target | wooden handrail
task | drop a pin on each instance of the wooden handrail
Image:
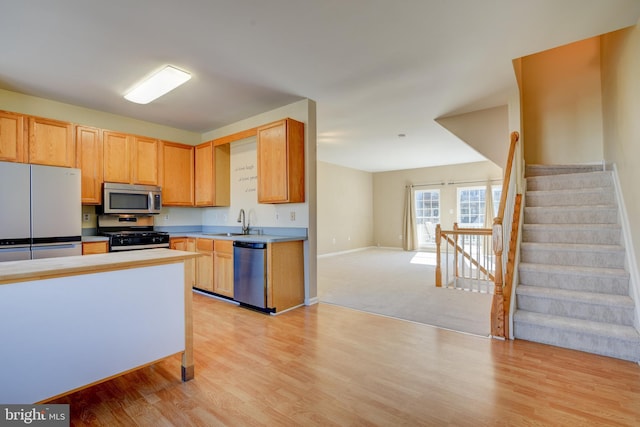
(515, 136)
(499, 310)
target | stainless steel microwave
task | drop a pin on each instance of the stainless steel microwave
(127, 199)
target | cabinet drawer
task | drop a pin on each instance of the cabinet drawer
(89, 248)
(204, 245)
(225, 246)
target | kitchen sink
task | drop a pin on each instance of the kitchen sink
(225, 234)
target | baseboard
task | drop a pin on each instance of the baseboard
(634, 282)
(312, 301)
(345, 252)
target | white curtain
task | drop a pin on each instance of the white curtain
(409, 223)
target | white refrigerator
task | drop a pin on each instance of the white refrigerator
(40, 211)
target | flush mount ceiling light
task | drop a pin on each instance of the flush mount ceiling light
(157, 85)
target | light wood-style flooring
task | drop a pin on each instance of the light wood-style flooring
(333, 366)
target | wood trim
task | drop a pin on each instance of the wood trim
(228, 139)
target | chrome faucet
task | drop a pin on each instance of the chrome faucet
(241, 218)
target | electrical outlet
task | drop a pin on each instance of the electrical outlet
(292, 215)
(85, 217)
(166, 217)
(277, 216)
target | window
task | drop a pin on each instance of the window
(427, 215)
(472, 206)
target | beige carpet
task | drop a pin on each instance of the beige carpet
(400, 284)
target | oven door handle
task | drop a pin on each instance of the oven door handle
(136, 247)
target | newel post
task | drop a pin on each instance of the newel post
(497, 305)
(438, 269)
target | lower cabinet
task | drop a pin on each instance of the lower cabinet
(204, 265)
(89, 248)
(187, 244)
(285, 275)
(213, 270)
(223, 268)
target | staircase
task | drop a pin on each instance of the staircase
(573, 289)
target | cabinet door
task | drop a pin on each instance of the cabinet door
(285, 275)
(89, 248)
(188, 245)
(212, 175)
(51, 142)
(89, 161)
(11, 137)
(281, 162)
(117, 157)
(272, 163)
(145, 160)
(223, 268)
(204, 184)
(204, 264)
(177, 174)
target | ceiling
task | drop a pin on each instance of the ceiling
(376, 68)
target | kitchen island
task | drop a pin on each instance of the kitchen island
(68, 323)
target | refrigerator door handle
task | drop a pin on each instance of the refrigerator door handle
(55, 245)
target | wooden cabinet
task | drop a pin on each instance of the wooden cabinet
(281, 162)
(12, 147)
(176, 177)
(212, 174)
(89, 248)
(130, 159)
(187, 244)
(117, 157)
(204, 265)
(89, 161)
(145, 161)
(223, 268)
(285, 275)
(51, 142)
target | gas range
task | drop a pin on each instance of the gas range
(131, 233)
(135, 240)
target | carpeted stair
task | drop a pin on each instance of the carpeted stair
(573, 289)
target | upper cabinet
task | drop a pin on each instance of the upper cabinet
(51, 142)
(177, 174)
(145, 161)
(212, 174)
(89, 161)
(130, 159)
(117, 157)
(281, 162)
(11, 137)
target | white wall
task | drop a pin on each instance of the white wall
(486, 131)
(562, 104)
(621, 112)
(345, 208)
(25, 104)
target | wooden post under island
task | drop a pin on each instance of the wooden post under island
(72, 322)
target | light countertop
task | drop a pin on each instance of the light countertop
(46, 268)
(258, 238)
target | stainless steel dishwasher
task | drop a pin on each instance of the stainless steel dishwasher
(250, 274)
